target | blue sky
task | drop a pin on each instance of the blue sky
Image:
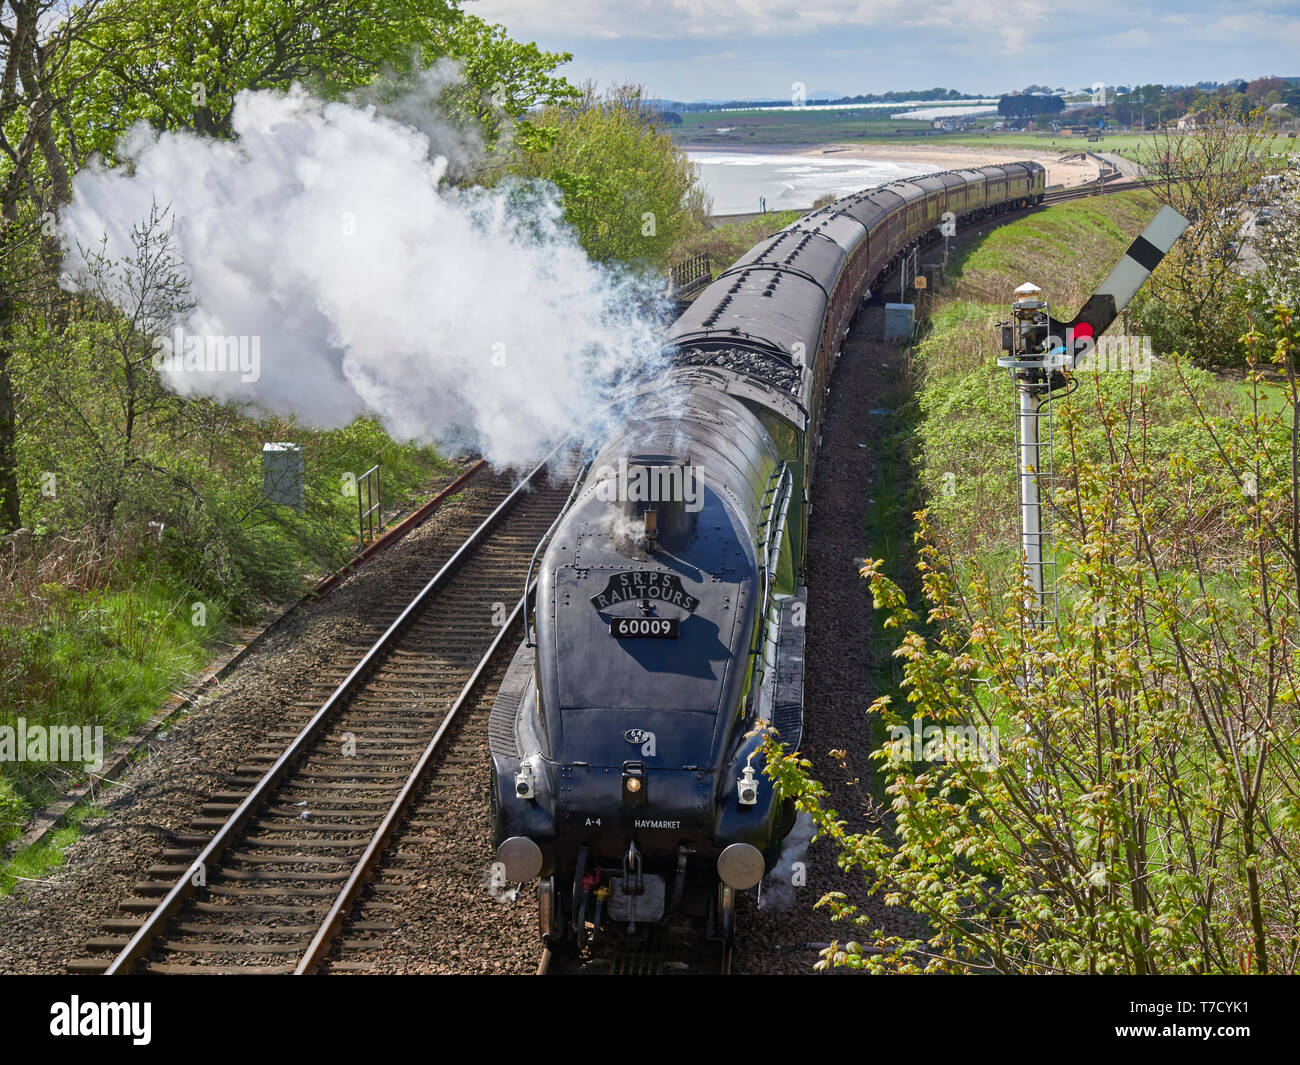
(692, 49)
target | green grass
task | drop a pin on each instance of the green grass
(1066, 250)
(1272, 399)
(1141, 148)
(104, 659)
(965, 400)
(35, 863)
(1048, 140)
(102, 644)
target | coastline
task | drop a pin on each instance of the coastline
(943, 156)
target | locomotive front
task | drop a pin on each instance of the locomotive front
(625, 764)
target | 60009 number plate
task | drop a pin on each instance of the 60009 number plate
(643, 628)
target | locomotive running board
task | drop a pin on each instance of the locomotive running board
(787, 710)
(505, 709)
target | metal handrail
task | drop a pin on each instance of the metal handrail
(690, 274)
(770, 552)
(764, 548)
(775, 555)
(767, 657)
(375, 498)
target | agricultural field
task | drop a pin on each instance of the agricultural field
(764, 127)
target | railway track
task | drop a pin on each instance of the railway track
(277, 863)
(1080, 192)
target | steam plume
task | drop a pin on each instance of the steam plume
(471, 317)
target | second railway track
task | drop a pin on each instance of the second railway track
(269, 875)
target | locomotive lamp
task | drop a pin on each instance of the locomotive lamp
(633, 784)
(521, 857)
(740, 866)
(747, 787)
(524, 781)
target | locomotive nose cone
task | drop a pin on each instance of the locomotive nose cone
(740, 866)
(521, 857)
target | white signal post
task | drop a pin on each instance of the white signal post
(1032, 365)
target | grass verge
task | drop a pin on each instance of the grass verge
(96, 632)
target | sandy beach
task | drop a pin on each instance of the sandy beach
(794, 176)
(954, 157)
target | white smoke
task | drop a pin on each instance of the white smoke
(466, 317)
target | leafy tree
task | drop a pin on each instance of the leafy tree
(1196, 303)
(1260, 88)
(180, 65)
(111, 408)
(1117, 791)
(629, 192)
(508, 78)
(37, 38)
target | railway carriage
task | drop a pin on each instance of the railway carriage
(973, 193)
(626, 773)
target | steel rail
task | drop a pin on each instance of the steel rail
(365, 867)
(153, 925)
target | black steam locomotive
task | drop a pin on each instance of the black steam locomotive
(670, 597)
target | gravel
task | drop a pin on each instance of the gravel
(843, 651)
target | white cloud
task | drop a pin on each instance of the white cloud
(683, 48)
(1137, 37)
(1009, 20)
